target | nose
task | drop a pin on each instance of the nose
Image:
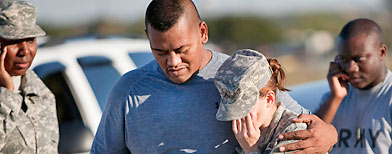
(23, 49)
(352, 67)
(174, 59)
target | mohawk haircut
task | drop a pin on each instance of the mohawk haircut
(360, 26)
(163, 14)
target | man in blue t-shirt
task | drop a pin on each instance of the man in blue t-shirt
(169, 105)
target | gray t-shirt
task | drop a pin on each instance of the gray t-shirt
(363, 120)
(147, 113)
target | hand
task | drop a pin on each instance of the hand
(5, 77)
(338, 81)
(246, 134)
(319, 138)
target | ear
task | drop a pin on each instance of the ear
(271, 98)
(203, 32)
(146, 32)
(383, 51)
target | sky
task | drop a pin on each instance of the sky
(71, 12)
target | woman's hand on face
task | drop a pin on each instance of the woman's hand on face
(5, 77)
(246, 134)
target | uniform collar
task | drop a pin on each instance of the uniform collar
(268, 134)
(30, 86)
(16, 80)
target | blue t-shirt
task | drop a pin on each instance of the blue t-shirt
(148, 113)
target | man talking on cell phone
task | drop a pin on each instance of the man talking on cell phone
(359, 104)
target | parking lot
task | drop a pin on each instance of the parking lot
(81, 72)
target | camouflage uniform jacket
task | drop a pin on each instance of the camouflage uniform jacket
(34, 130)
(281, 123)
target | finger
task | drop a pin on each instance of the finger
(338, 75)
(253, 124)
(234, 126)
(342, 76)
(243, 122)
(306, 151)
(239, 125)
(345, 84)
(249, 123)
(337, 80)
(2, 56)
(306, 118)
(300, 145)
(296, 135)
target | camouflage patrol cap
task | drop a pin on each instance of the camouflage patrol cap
(17, 21)
(239, 80)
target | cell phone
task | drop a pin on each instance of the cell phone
(338, 61)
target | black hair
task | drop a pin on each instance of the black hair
(163, 14)
(361, 26)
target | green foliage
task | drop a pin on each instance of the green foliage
(250, 31)
(324, 21)
(137, 28)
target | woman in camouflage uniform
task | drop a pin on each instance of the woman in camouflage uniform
(247, 83)
(28, 120)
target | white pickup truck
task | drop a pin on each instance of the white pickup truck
(81, 72)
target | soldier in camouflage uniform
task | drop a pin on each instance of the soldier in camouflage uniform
(247, 85)
(28, 121)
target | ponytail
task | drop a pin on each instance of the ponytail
(278, 77)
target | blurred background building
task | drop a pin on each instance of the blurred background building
(300, 33)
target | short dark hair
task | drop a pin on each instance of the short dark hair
(361, 26)
(163, 14)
